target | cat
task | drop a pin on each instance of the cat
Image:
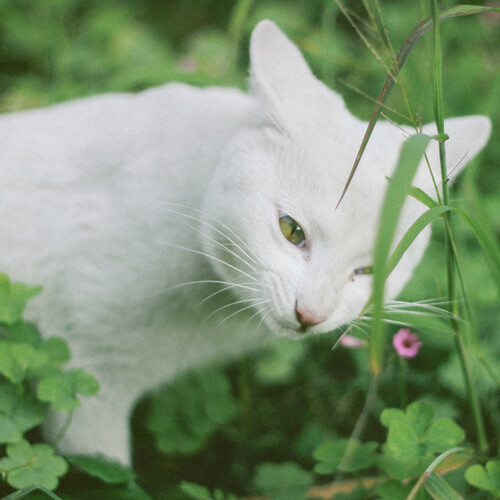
(181, 225)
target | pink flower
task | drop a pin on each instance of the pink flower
(406, 343)
(351, 342)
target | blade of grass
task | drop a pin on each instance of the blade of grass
(439, 489)
(422, 196)
(411, 153)
(434, 465)
(417, 33)
(414, 230)
(19, 495)
(449, 247)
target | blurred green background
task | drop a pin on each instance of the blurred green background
(293, 395)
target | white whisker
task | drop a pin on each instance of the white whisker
(243, 309)
(254, 301)
(242, 246)
(215, 282)
(264, 316)
(224, 247)
(229, 287)
(199, 252)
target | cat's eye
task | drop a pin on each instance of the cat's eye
(361, 270)
(292, 231)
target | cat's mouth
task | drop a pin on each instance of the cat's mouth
(282, 327)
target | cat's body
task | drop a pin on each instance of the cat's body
(113, 203)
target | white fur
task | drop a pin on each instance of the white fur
(112, 203)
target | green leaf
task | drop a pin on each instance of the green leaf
(57, 350)
(279, 364)
(413, 231)
(417, 416)
(485, 478)
(411, 154)
(403, 443)
(16, 359)
(28, 465)
(412, 436)
(392, 490)
(185, 413)
(19, 412)
(442, 435)
(286, 481)
(422, 197)
(439, 489)
(13, 299)
(196, 491)
(348, 455)
(25, 332)
(9, 430)
(108, 471)
(60, 389)
(329, 454)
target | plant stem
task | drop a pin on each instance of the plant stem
(450, 255)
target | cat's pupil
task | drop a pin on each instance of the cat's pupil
(292, 231)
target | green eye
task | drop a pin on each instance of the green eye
(292, 231)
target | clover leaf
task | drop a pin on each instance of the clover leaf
(108, 471)
(417, 416)
(61, 388)
(485, 478)
(17, 359)
(442, 435)
(27, 465)
(25, 332)
(413, 438)
(348, 455)
(285, 481)
(13, 298)
(186, 413)
(19, 412)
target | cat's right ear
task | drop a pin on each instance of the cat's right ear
(279, 75)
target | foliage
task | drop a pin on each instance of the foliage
(184, 415)
(261, 426)
(25, 358)
(286, 481)
(414, 439)
(485, 478)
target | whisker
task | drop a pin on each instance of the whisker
(243, 309)
(234, 303)
(225, 248)
(256, 313)
(199, 252)
(264, 316)
(242, 246)
(216, 282)
(230, 286)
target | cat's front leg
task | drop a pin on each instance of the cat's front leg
(100, 425)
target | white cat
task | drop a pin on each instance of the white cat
(113, 203)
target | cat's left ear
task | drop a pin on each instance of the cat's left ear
(467, 137)
(279, 74)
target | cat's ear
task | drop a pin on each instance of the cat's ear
(279, 75)
(467, 137)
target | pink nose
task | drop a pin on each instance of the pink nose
(307, 318)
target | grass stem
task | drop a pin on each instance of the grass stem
(449, 250)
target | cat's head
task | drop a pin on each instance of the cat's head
(297, 259)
